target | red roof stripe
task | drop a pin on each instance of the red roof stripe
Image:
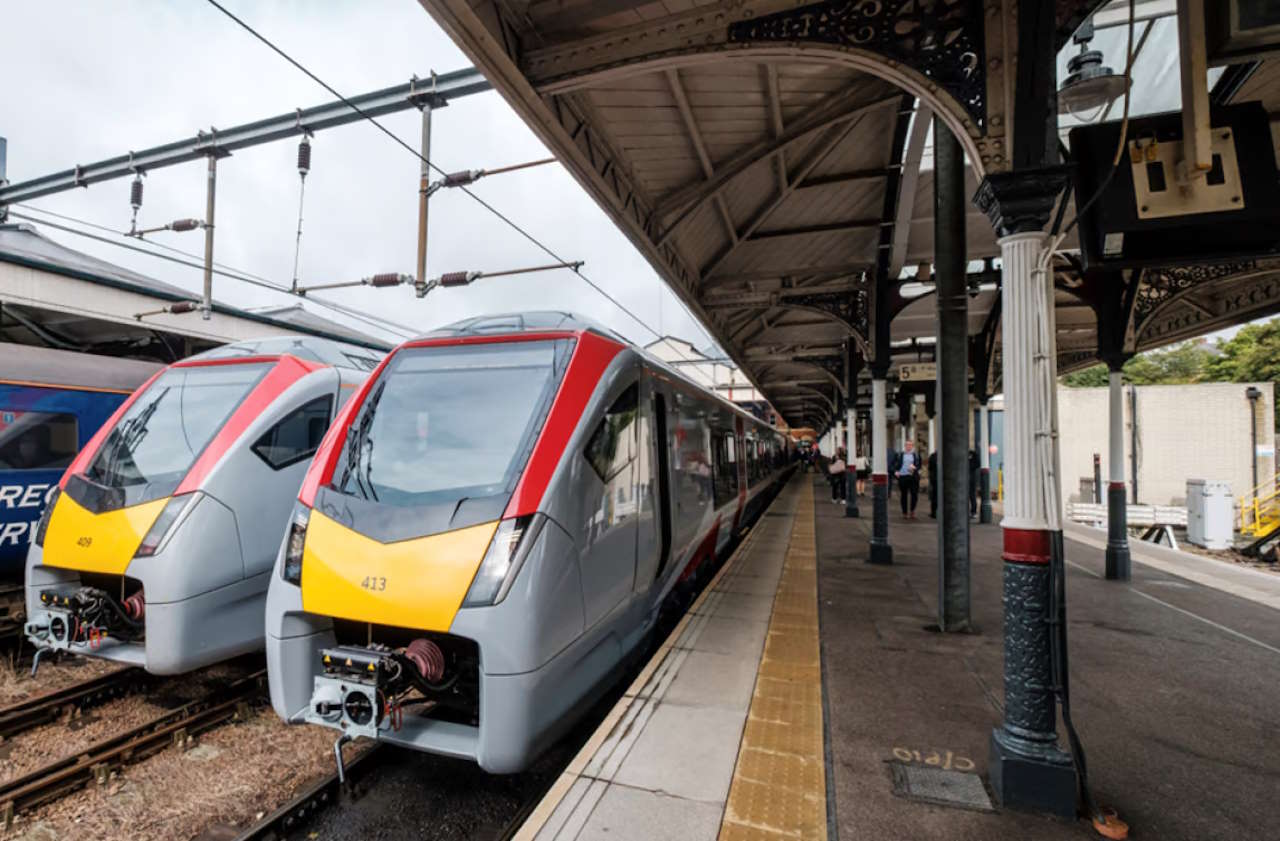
(590, 358)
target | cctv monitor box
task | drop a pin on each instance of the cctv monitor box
(1147, 216)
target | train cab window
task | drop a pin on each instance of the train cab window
(297, 435)
(612, 445)
(37, 440)
(159, 437)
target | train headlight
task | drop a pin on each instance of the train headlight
(163, 525)
(43, 525)
(501, 562)
(294, 544)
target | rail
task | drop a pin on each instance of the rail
(70, 773)
(50, 706)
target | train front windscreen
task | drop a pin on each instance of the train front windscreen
(152, 446)
(445, 432)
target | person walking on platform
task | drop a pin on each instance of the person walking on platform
(906, 466)
(934, 481)
(835, 475)
(863, 472)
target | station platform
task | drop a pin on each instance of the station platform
(804, 696)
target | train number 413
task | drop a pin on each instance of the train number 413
(374, 582)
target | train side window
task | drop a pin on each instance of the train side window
(296, 436)
(725, 473)
(612, 445)
(37, 440)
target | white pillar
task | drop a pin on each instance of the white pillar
(879, 458)
(1024, 315)
(931, 434)
(1115, 440)
(851, 433)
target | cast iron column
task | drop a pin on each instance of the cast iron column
(1117, 554)
(881, 551)
(852, 362)
(984, 460)
(953, 380)
(1028, 769)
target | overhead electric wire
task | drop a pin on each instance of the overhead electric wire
(225, 270)
(511, 223)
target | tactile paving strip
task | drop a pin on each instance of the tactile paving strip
(779, 784)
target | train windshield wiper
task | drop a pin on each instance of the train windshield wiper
(356, 445)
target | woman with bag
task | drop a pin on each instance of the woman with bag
(835, 475)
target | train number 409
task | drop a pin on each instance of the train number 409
(374, 582)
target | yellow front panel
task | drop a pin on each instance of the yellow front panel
(418, 583)
(81, 540)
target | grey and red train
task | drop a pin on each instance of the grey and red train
(486, 535)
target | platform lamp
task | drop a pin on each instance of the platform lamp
(1089, 83)
(1253, 393)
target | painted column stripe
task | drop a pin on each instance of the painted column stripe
(1026, 546)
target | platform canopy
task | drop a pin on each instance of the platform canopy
(773, 161)
(54, 296)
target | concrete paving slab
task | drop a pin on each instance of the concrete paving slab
(739, 637)
(714, 680)
(631, 814)
(685, 751)
(743, 606)
(751, 586)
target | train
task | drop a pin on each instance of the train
(491, 528)
(157, 543)
(51, 403)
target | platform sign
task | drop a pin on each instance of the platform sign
(917, 372)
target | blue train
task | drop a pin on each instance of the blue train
(51, 403)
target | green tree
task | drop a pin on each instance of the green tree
(1094, 376)
(1183, 363)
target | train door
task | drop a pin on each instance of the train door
(608, 562)
(653, 538)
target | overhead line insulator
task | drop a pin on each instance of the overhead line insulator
(304, 156)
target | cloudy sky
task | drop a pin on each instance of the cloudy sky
(98, 79)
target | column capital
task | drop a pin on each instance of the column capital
(1021, 201)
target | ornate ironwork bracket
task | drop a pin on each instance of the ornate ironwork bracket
(944, 40)
(832, 366)
(853, 309)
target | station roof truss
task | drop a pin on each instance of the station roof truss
(771, 160)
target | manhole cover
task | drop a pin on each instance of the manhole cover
(944, 788)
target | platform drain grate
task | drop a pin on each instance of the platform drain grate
(944, 788)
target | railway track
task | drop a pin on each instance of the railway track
(11, 612)
(50, 706)
(319, 795)
(96, 763)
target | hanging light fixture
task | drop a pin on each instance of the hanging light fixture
(1089, 84)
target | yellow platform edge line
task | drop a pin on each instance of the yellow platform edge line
(779, 787)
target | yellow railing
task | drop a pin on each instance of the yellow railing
(1260, 509)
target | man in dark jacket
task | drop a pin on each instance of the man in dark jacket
(906, 469)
